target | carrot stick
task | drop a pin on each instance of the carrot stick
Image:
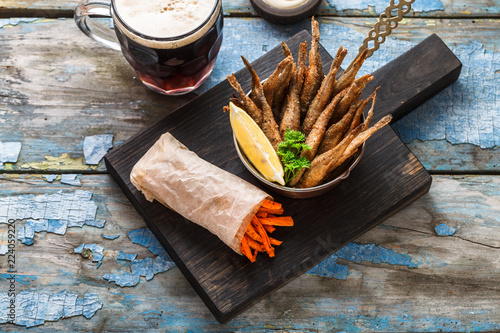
(254, 255)
(282, 221)
(256, 238)
(275, 241)
(269, 228)
(252, 233)
(261, 214)
(277, 211)
(268, 204)
(265, 239)
(255, 245)
(245, 249)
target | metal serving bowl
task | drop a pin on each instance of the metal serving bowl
(303, 193)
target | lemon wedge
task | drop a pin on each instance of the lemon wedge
(255, 145)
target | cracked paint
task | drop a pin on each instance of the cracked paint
(9, 152)
(93, 251)
(126, 256)
(50, 178)
(52, 213)
(454, 114)
(75, 208)
(96, 146)
(13, 21)
(444, 230)
(23, 279)
(145, 237)
(26, 233)
(33, 309)
(110, 237)
(146, 267)
(70, 179)
(63, 162)
(357, 253)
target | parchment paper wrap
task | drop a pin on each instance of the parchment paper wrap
(201, 192)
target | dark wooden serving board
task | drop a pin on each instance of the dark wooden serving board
(388, 178)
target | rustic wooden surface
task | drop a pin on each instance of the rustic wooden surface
(58, 87)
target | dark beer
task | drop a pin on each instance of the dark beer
(172, 65)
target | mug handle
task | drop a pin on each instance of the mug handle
(85, 12)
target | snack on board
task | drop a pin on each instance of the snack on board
(256, 238)
(201, 192)
(325, 109)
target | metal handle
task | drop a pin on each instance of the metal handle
(84, 18)
(387, 21)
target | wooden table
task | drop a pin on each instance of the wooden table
(434, 266)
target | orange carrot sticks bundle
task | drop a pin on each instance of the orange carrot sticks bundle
(265, 221)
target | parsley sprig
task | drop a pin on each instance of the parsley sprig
(289, 150)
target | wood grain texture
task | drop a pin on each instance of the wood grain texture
(439, 8)
(93, 91)
(453, 288)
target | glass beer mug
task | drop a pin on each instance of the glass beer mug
(171, 44)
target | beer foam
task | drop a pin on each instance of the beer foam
(164, 18)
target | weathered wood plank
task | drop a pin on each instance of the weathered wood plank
(425, 8)
(417, 281)
(92, 90)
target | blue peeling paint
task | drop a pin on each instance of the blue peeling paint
(444, 230)
(126, 279)
(50, 178)
(96, 223)
(96, 146)
(26, 233)
(126, 256)
(70, 179)
(380, 5)
(374, 253)
(140, 267)
(13, 21)
(33, 309)
(97, 252)
(67, 72)
(110, 237)
(39, 225)
(148, 267)
(50, 213)
(145, 237)
(20, 278)
(447, 116)
(90, 305)
(357, 253)
(57, 226)
(4, 249)
(9, 152)
(330, 268)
